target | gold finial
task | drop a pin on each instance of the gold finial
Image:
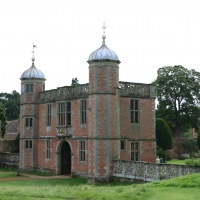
(104, 30)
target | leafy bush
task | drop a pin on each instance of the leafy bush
(193, 162)
(189, 145)
(168, 157)
(161, 154)
(181, 157)
(163, 134)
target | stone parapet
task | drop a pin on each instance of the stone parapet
(67, 92)
(150, 171)
(137, 90)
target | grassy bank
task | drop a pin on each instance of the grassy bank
(78, 189)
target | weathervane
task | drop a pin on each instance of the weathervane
(33, 52)
(104, 30)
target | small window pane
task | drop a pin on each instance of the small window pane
(48, 149)
(29, 122)
(83, 112)
(28, 144)
(135, 151)
(123, 144)
(134, 111)
(82, 151)
(48, 113)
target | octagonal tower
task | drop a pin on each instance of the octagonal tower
(103, 111)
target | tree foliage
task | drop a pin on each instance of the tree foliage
(198, 140)
(198, 133)
(16, 144)
(3, 121)
(11, 102)
(163, 134)
(178, 95)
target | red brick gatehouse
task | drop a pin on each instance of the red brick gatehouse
(80, 129)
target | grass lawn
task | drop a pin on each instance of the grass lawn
(176, 161)
(181, 188)
(7, 173)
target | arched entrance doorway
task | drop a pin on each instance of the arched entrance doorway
(65, 158)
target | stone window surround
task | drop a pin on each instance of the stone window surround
(134, 111)
(48, 115)
(82, 151)
(48, 149)
(135, 151)
(123, 145)
(28, 122)
(28, 144)
(64, 113)
(28, 88)
(83, 113)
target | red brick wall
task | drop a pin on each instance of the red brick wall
(143, 132)
(108, 121)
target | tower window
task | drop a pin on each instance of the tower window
(82, 151)
(29, 122)
(134, 111)
(48, 149)
(135, 151)
(48, 114)
(29, 88)
(123, 144)
(29, 144)
(83, 111)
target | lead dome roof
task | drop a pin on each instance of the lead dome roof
(103, 53)
(32, 72)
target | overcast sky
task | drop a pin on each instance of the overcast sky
(145, 34)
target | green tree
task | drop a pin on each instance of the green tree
(3, 121)
(163, 134)
(189, 144)
(178, 95)
(11, 102)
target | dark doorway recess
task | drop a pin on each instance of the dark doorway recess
(65, 158)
